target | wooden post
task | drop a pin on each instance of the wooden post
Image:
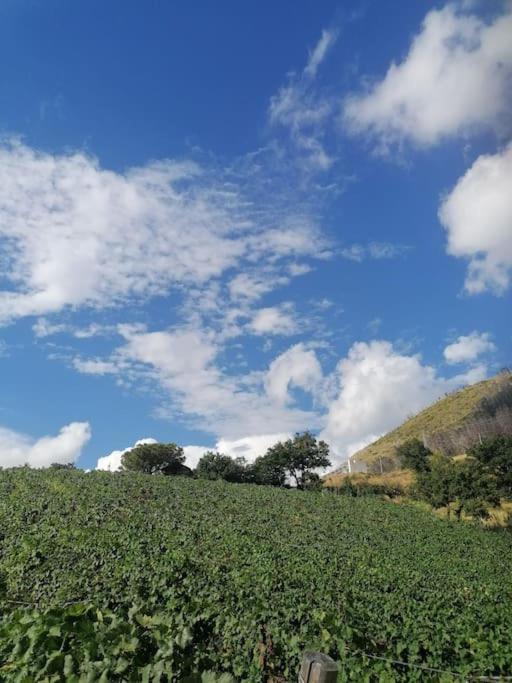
(318, 668)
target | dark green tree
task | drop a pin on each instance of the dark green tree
(300, 456)
(215, 465)
(268, 470)
(63, 466)
(413, 455)
(496, 456)
(461, 486)
(156, 458)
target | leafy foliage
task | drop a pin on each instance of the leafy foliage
(124, 577)
(466, 485)
(214, 465)
(414, 455)
(299, 457)
(496, 456)
(269, 469)
(156, 458)
(294, 459)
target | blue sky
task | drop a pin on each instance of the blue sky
(222, 223)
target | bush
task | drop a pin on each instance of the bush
(464, 486)
(363, 487)
(219, 466)
(496, 456)
(414, 455)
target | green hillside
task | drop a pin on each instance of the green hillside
(454, 422)
(128, 577)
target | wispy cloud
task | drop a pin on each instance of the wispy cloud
(318, 54)
(186, 364)
(299, 108)
(373, 250)
(274, 320)
(94, 366)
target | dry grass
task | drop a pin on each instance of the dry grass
(400, 479)
(498, 517)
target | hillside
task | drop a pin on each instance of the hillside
(452, 423)
(128, 577)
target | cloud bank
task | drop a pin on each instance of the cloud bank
(372, 390)
(298, 108)
(18, 449)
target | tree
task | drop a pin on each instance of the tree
(459, 485)
(156, 458)
(496, 456)
(299, 457)
(214, 465)
(268, 470)
(63, 466)
(413, 455)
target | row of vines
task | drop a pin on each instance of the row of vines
(123, 577)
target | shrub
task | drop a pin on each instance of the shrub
(414, 455)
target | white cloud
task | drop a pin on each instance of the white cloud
(94, 366)
(250, 447)
(298, 108)
(112, 461)
(468, 348)
(185, 363)
(193, 454)
(477, 215)
(44, 328)
(455, 78)
(92, 330)
(73, 234)
(251, 286)
(317, 56)
(379, 388)
(371, 391)
(274, 320)
(297, 367)
(18, 449)
(296, 269)
(373, 250)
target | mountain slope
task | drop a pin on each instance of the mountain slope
(453, 423)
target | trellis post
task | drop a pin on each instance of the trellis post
(318, 668)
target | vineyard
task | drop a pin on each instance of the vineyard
(124, 577)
